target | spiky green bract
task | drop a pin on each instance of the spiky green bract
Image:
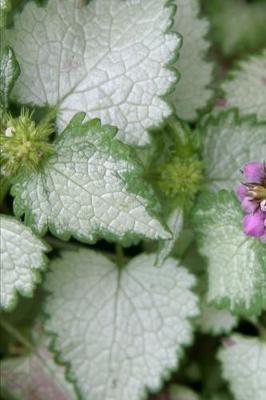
(193, 90)
(121, 330)
(112, 59)
(236, 262)
(243, 362)
(25, 145)
(22, 257)
(9, 72)
(176, 172)
(180, 177)
(238, 26)
(245, 87)
(175, 169)
(228, 142)
(90, 188)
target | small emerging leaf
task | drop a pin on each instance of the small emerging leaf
(120, 330)
(215, 321)
(175, 224)
(22, 256)
(244, 367)
(9, 72)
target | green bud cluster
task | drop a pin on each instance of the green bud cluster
(24, 144)
(181, 177)
(176, 170)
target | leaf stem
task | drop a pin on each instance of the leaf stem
(120, 259)
(4, 187)
(262, 331)
(16, 334)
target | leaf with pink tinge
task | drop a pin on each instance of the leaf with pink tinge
(36, 377)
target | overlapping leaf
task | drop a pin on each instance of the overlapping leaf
(108, 58)
(175, 224)
(216, 321)
(90, 188)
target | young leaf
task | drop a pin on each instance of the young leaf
(175, 225)
(108, 58)
(215, 321)
(236, 262)
(246, 88)
(22, 256)
(192, 92)
(228, 143)
(244, 367)
(9, 72)
(36, 377)
(91, 187)
(120, 329)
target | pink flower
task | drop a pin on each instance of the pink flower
(254, 171)
(252, 195)
(254, 224)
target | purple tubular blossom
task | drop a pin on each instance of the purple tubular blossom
(241, 192)
(253, 224)
(254, 171)
(252, 195)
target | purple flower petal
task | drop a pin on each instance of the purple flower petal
(241, 192)
(254, 171)
(254, 224)
(263, 237)
(249, 206)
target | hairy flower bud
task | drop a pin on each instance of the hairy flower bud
(24, 144)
